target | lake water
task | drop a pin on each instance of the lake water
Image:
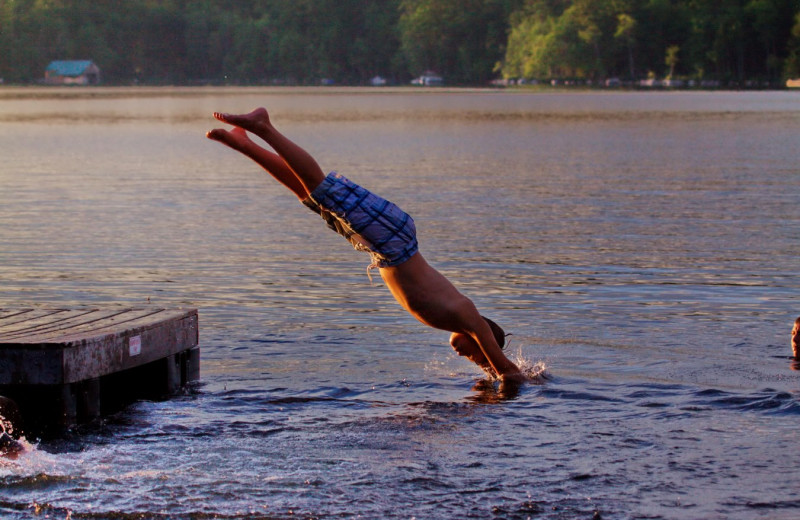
(641, 247)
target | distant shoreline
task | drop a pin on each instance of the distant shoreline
(37, 91)
(44, 92)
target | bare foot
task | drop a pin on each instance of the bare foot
(256, 121)
(291, 165)
(236, 138)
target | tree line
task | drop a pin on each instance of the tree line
(468, 42)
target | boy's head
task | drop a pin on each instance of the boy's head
(465, 346)
(499, 333)
(796, 338)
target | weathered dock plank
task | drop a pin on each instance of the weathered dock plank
(76, 363)
(77, 345)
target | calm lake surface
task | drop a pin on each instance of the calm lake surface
(642, 247)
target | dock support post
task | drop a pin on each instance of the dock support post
(190, 365)
(88, 399)
(173, 376)
(68, 405)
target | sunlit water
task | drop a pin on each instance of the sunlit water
(642, 247)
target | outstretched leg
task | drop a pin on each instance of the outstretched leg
(238, 140)
(301, 163)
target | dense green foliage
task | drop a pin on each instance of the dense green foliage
(190, 41)
(727, 40)
(350, 41)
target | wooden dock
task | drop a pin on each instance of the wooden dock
(67, 366)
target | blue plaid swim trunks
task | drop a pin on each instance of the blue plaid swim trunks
(371, 223)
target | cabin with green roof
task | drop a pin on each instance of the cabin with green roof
(72, 72)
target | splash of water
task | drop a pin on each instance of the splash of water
(23, 459)
(536, 371)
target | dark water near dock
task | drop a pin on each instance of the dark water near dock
(643, 247)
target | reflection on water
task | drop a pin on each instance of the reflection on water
(640, 246)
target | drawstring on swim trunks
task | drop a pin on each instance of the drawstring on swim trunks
(370, 267)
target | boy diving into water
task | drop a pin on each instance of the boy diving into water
(383, 230)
